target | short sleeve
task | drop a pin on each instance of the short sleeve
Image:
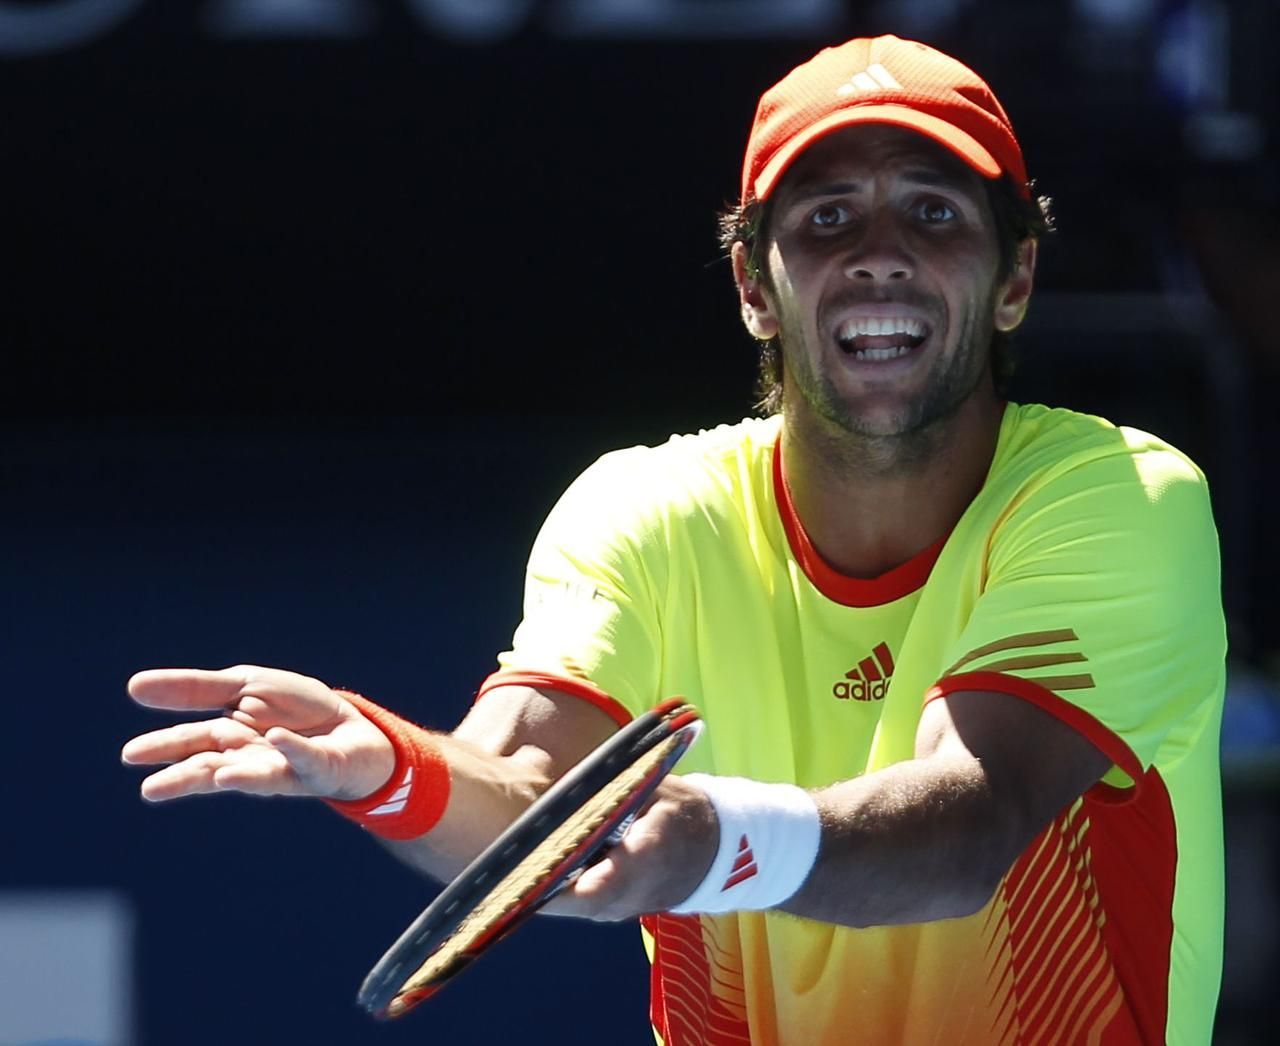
(592, 590)
(1102, 604)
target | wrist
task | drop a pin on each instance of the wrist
(415, 796)
(769, 835)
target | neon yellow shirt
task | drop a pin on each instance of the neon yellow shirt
(1083, 578)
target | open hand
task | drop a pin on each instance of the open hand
(279, 733)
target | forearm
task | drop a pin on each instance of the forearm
(917, 841)
(511, 747)
(486, 793)
(925, 839)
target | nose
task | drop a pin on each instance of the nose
(879, 255)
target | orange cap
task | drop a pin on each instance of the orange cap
(881, 80)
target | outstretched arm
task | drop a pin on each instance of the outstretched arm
(929, 838)
(281, 733)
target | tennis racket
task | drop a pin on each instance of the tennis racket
(572, 824)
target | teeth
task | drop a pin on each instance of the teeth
(882, 354)
(880, 325)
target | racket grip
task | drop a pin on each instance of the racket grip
(416, 794)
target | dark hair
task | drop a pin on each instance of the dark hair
(1017, 219)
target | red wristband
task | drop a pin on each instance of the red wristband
(415, 796)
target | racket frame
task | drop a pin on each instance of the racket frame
(405, 975)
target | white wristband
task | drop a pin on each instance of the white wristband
(768, 843)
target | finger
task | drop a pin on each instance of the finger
(311, 760)
(272, 697)
(252, 710)
(595, 894)
(258, 697)
(567, 904)
(174, 743)
(264, 704)
(193, 776)
(186, 688)
(599, 884)
(265, 771)
(258, 771)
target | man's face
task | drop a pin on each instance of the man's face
(880, 279)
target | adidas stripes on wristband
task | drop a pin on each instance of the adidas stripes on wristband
(768, 843)
(415, 796)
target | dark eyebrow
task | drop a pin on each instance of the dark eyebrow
(810, 190)
(929, 177)
(936, 178)
(814, 189)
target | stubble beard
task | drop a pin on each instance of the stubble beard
(909, 433)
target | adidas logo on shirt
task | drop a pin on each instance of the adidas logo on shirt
(869, 679)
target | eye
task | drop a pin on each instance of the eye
(828, 216)
(935, 212)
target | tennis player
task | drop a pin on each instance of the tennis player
(961, 659)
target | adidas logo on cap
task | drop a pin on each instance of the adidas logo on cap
(874, 78)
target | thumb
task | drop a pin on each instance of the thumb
(310, 761)
(596, 893)
(596, 879)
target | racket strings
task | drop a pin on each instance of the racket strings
(533, 871)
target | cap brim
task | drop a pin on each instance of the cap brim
(963, 145)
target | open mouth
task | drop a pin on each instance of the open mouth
(880, 338)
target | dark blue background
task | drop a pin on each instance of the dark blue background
(301, 335)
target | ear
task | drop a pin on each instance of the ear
(1015, 294)
(757, 314)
